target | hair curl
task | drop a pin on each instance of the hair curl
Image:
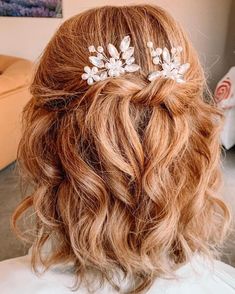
(125, 171)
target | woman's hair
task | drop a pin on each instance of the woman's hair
(124, 172)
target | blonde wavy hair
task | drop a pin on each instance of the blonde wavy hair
(124, 172)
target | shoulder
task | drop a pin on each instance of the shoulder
(14, 273)
(18, 265)
(199, 276)
(16, 276)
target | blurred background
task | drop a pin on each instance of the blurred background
(211, 27)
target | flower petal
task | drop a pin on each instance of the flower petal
(113, 51)
(94, 70)
(180, 80)
(173, 50)
(130, 60)
(87, 69)
(183, 68)
(85, 76)
(90, 81)
(122, 70)
(125, 43)
(174, 72)
(108, 65)
(96, 61)
(100, 56)
(111, 72)
(154, 75)
(166, 67)
(119, 63)
(166, 55)
(128, 53)
(132, 67)
(103, 75)
(116, 73)
(96, 78)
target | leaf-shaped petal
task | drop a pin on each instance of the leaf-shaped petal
(113, 51)
(128, 53)
(154, 75)
(166, 66)
(111, 72)
(132, 67)
(116, 73)
(174, 72)
(180, 80)
(103, 75)
(173, 50)
(130, 60)
(125, 43)
(96, 78)
(96, 61)
(108, 65)
(166, 55)
(183, 68)
(122, 70)
(94, 70)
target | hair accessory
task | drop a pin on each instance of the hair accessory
(104, 67)
(169, 62)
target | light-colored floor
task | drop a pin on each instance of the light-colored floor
(10, 195)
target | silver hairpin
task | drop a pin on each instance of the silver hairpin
(169, 61)
(104, 67)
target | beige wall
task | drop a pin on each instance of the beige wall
(230, 44)
(205, 20)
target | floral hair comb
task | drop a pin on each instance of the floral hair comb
(104, 67)
(120, 62)
(169, 61)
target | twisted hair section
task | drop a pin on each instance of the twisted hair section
(125, 173)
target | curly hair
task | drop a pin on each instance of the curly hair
(124, 172)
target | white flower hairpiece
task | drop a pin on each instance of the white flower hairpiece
(169, 62)
(104, 67)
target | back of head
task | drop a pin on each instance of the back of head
(124, 171)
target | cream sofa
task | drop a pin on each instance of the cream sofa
(15, 77)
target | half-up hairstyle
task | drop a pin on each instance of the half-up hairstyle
(124, 172)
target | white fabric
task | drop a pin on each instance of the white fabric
(228, 132)
(198, 277)
(225, 97)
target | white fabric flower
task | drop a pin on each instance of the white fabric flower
(169, 61)
(114, 67)
(90, 75)
(117, 64)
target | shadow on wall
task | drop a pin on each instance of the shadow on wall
(230, 42)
